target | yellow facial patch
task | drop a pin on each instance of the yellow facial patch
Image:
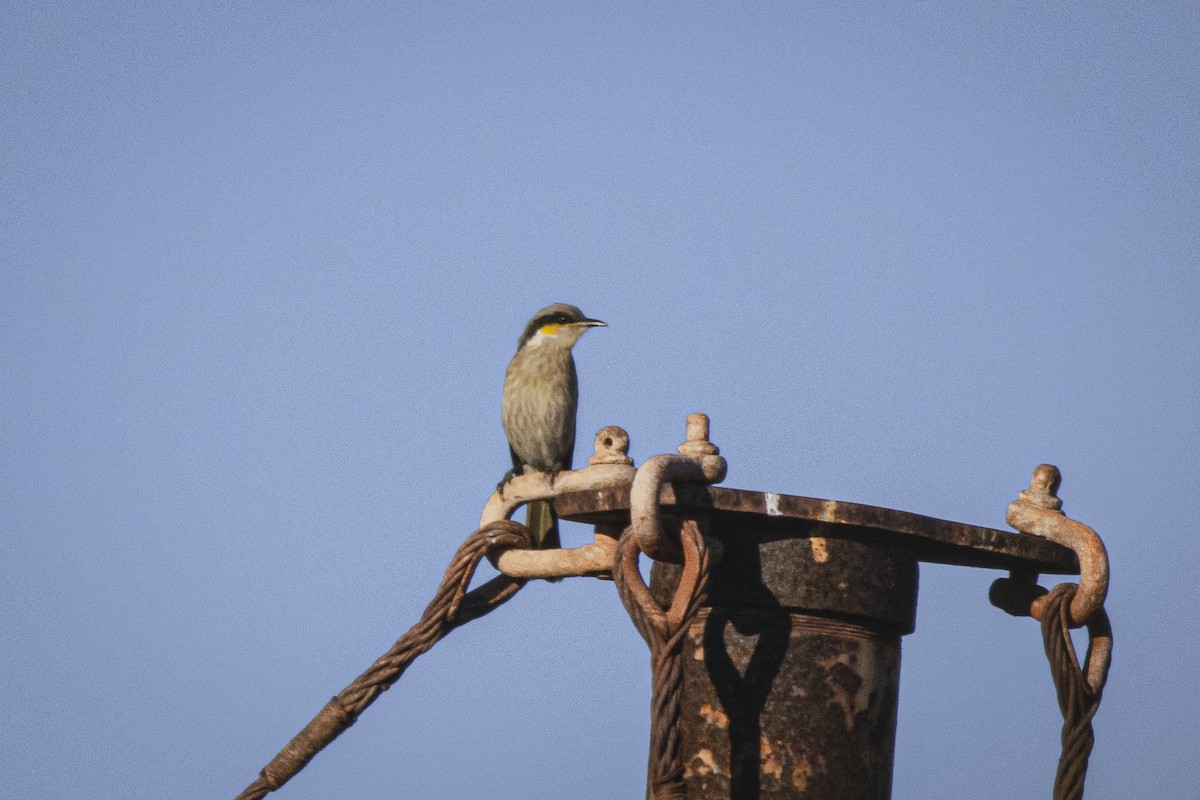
(549, 330)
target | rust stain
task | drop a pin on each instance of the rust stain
(767, 759)
(802, 770)
(714, 716)
(702, 763)
(852, 679)
(820, 549)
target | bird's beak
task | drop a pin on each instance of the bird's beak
(591, 323)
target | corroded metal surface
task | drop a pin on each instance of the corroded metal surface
(1038, 511)
(778, 704)
(608, 469)
(791, 672)
(789, 677)
(925, 538)
(816, 574)
(698, 462)
(601, 493)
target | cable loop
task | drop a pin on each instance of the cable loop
(1079, 689)
(663, 630)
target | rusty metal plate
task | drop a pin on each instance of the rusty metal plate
(924, 538)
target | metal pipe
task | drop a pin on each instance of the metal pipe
(791, 671)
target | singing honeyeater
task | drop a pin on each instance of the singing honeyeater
(541, 393)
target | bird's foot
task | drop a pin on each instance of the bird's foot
(508, 476)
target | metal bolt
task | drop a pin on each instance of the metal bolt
(612, 447)
(697, 443)
(1043, 488)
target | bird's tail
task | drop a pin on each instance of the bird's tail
(543, 524)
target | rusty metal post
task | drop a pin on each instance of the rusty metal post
(792, 670)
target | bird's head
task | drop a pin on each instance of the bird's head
(559, 325)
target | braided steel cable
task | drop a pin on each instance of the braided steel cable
(451, 607)
(1078, 697)
(663, 630)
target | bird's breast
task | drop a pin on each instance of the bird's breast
(540, 395)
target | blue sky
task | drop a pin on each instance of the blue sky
(263, 267)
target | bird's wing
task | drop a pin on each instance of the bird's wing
(566, 460)
(573, 389)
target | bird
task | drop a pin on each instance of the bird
(541, 394)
